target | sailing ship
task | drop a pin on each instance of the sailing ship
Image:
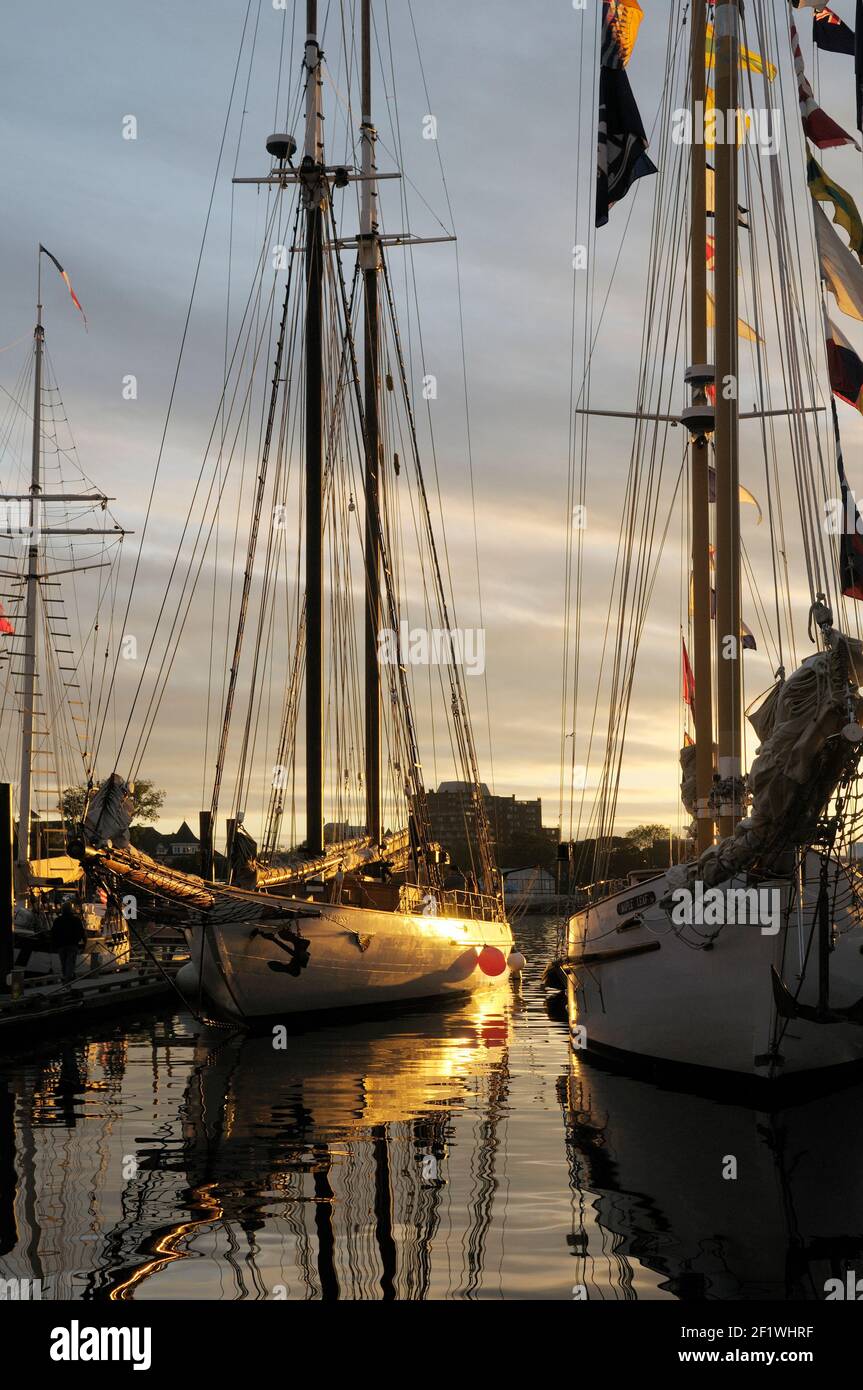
(56, 643)
(362, 915)
(740, 965)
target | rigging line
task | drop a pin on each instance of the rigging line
(464, 373)
(228, 283)
(248, 314)
(253, 535)
(180, 356)
(167, 662)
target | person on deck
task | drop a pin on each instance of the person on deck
(67, 938)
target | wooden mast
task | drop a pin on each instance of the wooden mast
(700, 480)
(728, 667)
(369, 252)
(315, 190)
(28, 691)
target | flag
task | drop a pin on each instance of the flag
(749, 61)
(620, 32)
(831, 33)
(75, 300)
(744, 330)
(850, 540)
(845, 213)
(688, 740)
(839, 267)
(821, 129)
(742, 492)
(709, 107)
(742, 212)
(688, 679)
(845, 367)
(6, 627)
(711, 251)
(621, 155)
(746, 496)
(747, 640)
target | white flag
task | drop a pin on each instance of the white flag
(839, 266)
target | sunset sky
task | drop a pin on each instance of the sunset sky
(125, 217)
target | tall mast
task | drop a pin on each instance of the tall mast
(369, 250)
(728, 669)
(700, 484)
(28, 695)
(315, 194)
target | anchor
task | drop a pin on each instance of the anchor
(296, 946)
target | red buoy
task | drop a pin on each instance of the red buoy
(491, 961)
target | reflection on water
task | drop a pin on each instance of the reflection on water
(450, 1153)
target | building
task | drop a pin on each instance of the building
(532, 885)
(180, 850)
(515, 825)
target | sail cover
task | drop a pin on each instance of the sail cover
(797, 767)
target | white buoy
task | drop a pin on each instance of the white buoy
(516, 962)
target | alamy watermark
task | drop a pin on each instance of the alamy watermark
(719, 907)
(435, 646)
(755, 125)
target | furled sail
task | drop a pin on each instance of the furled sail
(809, 732)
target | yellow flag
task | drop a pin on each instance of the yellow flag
(749, 61)
(744, 330)
(743, 121)
(625, 17)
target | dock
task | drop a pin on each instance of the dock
(49, 1007)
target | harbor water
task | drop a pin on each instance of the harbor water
(444, 1153)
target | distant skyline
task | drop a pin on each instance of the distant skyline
(125, 217)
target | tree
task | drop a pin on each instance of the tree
(147, 801)
(646, 836)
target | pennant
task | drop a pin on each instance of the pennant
(850, 540)
(688, 679)
(744, 330)
(831, 33)
(621, 155)
(839, 268)
(742, 492)
(845, 214)
(75, 300)
(688, 740)
(619, 32)
(821, 129)
(747, 60)
(711, 251)
(845, 367)
(6, 627)
(747, 640)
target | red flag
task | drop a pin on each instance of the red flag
(688, 680)
(821, 129)
(6, 627)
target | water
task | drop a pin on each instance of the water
(449, 1153)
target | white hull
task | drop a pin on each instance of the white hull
(357, 958)
(644, 989)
